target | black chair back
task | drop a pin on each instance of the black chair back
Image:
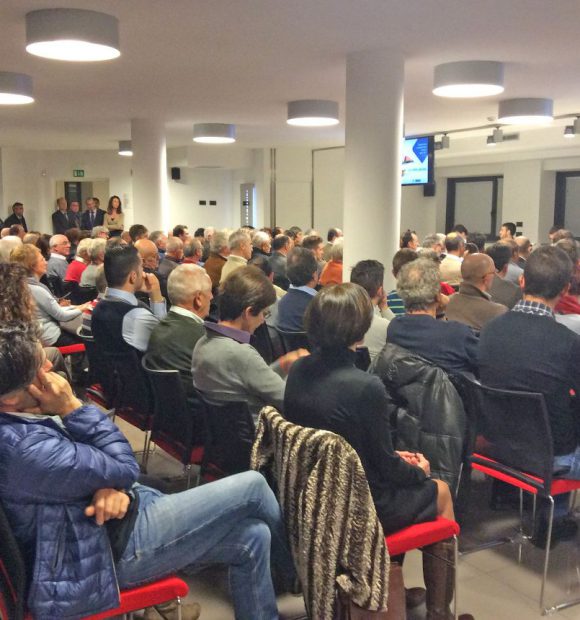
(99, 371)
(82, 294)
(12, 574)
(178, 425)
(293, 340)
(56, 286)
(261, 342)
(278, 349)
(516, 431)
(230, 433)
(363, 358)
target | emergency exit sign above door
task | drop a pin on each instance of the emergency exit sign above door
(78, 173)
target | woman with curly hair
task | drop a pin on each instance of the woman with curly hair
(17, 306)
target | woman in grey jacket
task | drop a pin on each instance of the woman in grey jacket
(50, 312)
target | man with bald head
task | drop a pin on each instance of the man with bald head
(472, 305)
(149, 254)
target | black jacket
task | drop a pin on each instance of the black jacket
(429, 415)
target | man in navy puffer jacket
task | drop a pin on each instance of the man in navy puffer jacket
(66, 469)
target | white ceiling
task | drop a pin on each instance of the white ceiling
(240, 61)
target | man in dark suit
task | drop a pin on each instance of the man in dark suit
(302, 271)
(60, 221)
(93, 216)
(280, 248)
(172, 341)
(74, 215)
(17, 217)
(526, 349)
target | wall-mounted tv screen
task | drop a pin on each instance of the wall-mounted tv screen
(417, 161)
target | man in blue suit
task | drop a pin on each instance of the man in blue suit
(93, 216)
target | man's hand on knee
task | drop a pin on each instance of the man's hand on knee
(107, 504)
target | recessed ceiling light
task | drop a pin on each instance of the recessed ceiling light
(125, 148)
(528, 111)
(312, 113)
(214, 133)
(75, 35)
(473, 78)
(15, 88)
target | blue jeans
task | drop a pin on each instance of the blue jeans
(566, 466)
(234, 522)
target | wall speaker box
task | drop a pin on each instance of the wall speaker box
(429, 190)
(176, 174)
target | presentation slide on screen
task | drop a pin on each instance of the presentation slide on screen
(415, 164)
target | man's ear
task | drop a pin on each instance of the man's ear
(196, 301)
(133, 277)
(522, 281)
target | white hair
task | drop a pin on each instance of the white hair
(191, 247)
(186, 280)
(336, 251)
(7, 244)
(97, 230)
(208, 232)
(173, 245)
(56, 239)
(260, 238)
(238, 238)
(84, 247)
(96, 248)
(219, 241)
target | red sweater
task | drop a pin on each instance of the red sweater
(74, 271)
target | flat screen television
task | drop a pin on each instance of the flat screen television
(417, 161)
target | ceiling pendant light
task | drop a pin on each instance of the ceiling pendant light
(15, 88)
(312, 113)
(472, 78)
(76, 35)
(214, 133)
(530, 111)
(125, 148)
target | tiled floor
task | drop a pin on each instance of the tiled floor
(492, 584)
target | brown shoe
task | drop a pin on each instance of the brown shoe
(168, 611)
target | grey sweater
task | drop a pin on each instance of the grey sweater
(224, 369)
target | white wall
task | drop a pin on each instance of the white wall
(294, 187)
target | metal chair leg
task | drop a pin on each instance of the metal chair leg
(146, 447)
(188, 472)
(547, 555)
(455, 568)
(178, 608)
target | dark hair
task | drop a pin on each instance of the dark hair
(369, 274)
(17, 204)
(262, 263)
(137, 231)
(15, 298)
(295, 229)
(120, 261)
(301, 266)
(547, 271)
(199, 232)
(332, 234)
(471, 248)
(460, 228)
(73, 235)
(179, 230)
(246, 287)
(110, 205)
(311, 242)
(500, 254)
(291, 234)
(406, 238)
(554, 229)
(510, 226)
(277, 230)
(43, 244)
(477, 239)
(15, 229)
(454, 242)
(19, 357)
(338, 316)
(279, 242)
(402, 257)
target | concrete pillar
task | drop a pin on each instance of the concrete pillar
(150, 191)
(372, 181)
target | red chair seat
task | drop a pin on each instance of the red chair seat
(420, 535)
(72, 348)
(559, 485)
(146, 596)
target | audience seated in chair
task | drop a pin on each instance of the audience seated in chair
(121, 323)
(302, 271)
(96, 256)
(82, 474)
(547, 360)
(325, 390)
(59, 251)
(79, 263)
(225, 366)
(448, 344)
(502, 291)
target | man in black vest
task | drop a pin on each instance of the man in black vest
(120, 322)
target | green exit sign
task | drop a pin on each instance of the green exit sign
(78, 173)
